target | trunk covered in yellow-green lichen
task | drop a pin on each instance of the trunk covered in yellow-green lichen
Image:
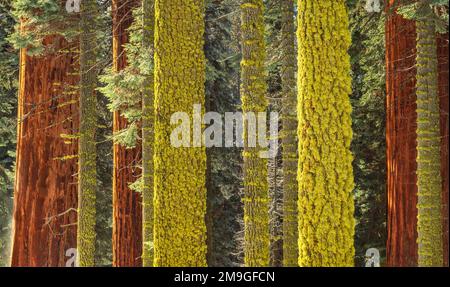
(325, 175)
(148, 116)
(253, 95)
(429, 180)
(180, 190)
(87, 172)
(289, 136)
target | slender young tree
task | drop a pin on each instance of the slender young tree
(429, 180)
(253, 95)
(148, 116)
(325, 175)
(289, 135)
(87, 154)
(127, 211)
(180, 190)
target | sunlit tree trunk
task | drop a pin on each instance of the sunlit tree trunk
(180, 191)
(45, 193)
(325, 174)
(429, 180)
(127, 207)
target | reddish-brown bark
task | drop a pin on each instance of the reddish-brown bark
(127, 214)
(443, 96)
(45, 196)
(401, 244)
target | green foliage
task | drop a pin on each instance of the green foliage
(368, 147)
(124, 88)
(410, 10)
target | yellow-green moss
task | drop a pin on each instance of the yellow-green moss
(429, 180)
(87, 172)
(253, 95)
(180, 192)
(325, 175)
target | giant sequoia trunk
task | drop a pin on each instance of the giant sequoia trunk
(180, 191)
(127, 213)
(253, 95)
(401, 247)
(289, 137)
(45, 196)
(325, 173)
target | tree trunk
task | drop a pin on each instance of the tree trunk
(325, 173)
(443, 67)
(180, 191)
(289, 136)
(253, 95)
(127, 206)
(429, 180)
(45, 196)
(87, 150)
(401, 246)
(148, 118)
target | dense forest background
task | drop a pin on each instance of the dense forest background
(225, 169)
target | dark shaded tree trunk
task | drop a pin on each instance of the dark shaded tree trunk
(443, 67)
(45, 196)
(127, 204)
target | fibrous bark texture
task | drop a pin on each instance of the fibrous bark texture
(253, 95)
(148, 116)
(325, 174)
(45, 196)
(87, 150)
(180, 191)
(443, 68)
(289, 136)
(127, 213)
(429, 180)
(401, 247)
